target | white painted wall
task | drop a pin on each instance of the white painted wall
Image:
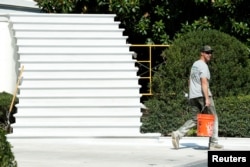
(18, 6)
(8, 58)
(26, 3)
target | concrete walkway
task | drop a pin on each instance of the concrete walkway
(117, 152)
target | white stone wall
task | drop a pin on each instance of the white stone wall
(18, 6)
(8, 57)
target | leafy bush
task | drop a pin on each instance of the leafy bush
(56, 6)
(163, 115)
(70, 6)
(230, 76)
(7, 158)
(5, 102)
(234, 116)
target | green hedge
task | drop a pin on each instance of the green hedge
(165, 116)
(230, 76)
(233, 113)
(7, 158)
(5, 102)
(234, 116)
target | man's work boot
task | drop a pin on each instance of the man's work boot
(175, 139)
(215, 146)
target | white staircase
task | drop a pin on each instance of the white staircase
(79, 78)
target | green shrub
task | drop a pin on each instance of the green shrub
(234, 116)
(5, 102)
(230, 76)
(7, 158)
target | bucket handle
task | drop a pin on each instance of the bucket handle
(203, 109)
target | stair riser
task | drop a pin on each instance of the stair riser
(77, 124)
(79, 91)
(77, 121)
(75, 49)
(75, 132)
(72, 42)
(79, 66)
(101, 74)
(122, 111)
(77, 101)
(83, 57)
(72, 18)
(66, 26)
(80, 83)
(69, 34)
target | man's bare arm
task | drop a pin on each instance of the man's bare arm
(204, 86)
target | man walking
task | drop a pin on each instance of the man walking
(200, 98)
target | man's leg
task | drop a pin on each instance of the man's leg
(213, 140)
(178, 134)
(214, 137)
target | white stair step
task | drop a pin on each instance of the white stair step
(80, 57)
(76, 45)
(80, 78)
(71, 41)
(76, 120)
(73, 122)
(81, 83)
(105, 82)
(88, 91)
(94, 62)
(76, 101)
(73, 49)
(65, 26)
(123, 111)
(50, 96)
(79, 65)
(74, 106)
(69, 74)
(71, 34)
(74, 132)
(62, 18)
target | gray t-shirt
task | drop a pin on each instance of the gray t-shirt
(199, 70)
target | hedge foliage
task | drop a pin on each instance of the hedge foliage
(5, 102)
(230, 76)
(234, 115)
(7, 158)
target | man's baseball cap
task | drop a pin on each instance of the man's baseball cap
(206, 48)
